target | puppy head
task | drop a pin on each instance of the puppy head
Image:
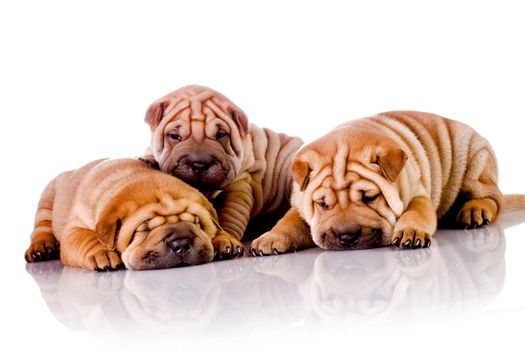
(160, 235)
(197, 135)
(345, 188)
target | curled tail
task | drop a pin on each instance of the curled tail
(44, 245)
(513, 202)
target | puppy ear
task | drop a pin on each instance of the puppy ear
(240, 119)
(111, 219)
(107, 231)
(391, 161)
(155, 113)
(301, 173)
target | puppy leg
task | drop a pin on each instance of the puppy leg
(417, 224)
(44, 245)
(289, 234)
(81, 247)
(236, 208)
(226, 246)
(480, 190)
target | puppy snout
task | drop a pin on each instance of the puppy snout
(180, 246)
(348, 239)
(200, 166)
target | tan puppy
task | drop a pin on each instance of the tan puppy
(201, 137)
(115, 213)
(388, 179)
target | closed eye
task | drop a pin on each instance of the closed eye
(369, 198)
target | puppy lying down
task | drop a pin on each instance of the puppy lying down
(386, 180)
(111, 214)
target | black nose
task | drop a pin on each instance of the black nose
(349, 239)
(181, 246)
(200, 167)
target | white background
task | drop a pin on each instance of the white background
(77, 76)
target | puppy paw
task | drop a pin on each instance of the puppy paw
(271, 243)
(104, 260)
(411, 238)
(43, 249)
(477, 212)
(226, 246)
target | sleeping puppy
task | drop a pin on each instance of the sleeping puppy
(388, 180)
(111, 214)
(201, 137)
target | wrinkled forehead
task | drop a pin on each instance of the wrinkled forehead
(198, 104)
(344, 188)
(197, 112)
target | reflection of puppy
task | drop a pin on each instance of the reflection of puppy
(201, 137)
(313, 289)
(126, 307)
(363, 289)
(387, 180)
(111, 213)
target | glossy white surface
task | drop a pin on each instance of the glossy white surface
(460, 289)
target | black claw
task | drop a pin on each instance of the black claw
(275, 252)
(50, 253)
(486, 222)
(253, 252)
(227, 250)
(261, 253)
(407, 244)
(417, 244)
(396, 242)
(427, 243)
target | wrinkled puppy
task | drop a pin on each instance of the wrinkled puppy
(111, 214)
(388, 179)
(201, 137)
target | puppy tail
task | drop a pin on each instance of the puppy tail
(513, 202)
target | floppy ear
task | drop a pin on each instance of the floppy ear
(301, 173)
(107, 230)
(391, 161)
(111, 219)
(155, 113)
(240, 119)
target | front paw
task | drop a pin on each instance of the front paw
(271, 243)
(227, 247)
(104, 260)
(411, 237)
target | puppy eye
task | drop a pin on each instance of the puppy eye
(368, 199)
(322, 204)
(221, 134)
(174, 137)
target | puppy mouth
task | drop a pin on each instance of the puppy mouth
(203, 176)
(364, 238)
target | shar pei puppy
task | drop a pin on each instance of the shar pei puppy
(201, 137)
(111, 214)
(389, 180)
